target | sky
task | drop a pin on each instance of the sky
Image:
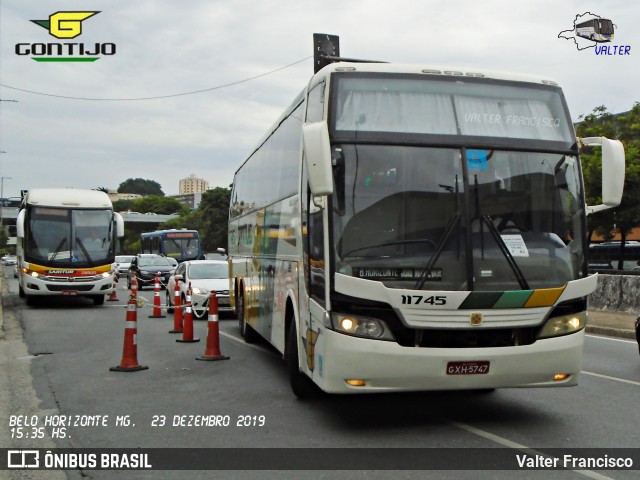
(194, 85)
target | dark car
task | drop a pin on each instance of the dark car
(144, 267)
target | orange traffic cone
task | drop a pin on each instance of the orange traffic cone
(129, 362)
(187, 323)
(157, 311)
(134, 287)
(212, 350)
(177, 310)
(113, 297)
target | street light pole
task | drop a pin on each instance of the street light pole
(2, 179)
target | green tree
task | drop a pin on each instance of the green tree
(141, 187)
(158, 204)
(214, 210)
(210, 219)
(625, 128)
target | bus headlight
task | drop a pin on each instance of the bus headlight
(366, 327)
(106, 274)
(564, 325)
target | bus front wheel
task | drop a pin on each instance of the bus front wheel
(302, 386)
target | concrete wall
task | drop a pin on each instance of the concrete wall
(617, 293)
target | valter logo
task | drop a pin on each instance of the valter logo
(591, 31)
(65, 26)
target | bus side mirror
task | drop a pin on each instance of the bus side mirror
(20, 224)
(613, 167)
(119, 224)
(317, 158)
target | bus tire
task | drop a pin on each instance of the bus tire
(31, 300)
(21, 292)
(302, 386)
(98, 299)
(246, 331)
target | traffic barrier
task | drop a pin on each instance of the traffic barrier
(177, 310)
(187, 322)
(129, 362)
(113, 297)
(212, 350)
(157, 310)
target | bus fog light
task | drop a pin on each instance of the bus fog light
(356, 382)
(565, 325)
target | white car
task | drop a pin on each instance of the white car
(9, 260)
(122, 264)
(204, 276)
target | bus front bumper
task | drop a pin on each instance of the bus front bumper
(35, 286)
(386, 366)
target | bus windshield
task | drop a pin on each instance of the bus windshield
(182, 246)
(606, 26)
(457, 218)
(448, 107)
(61, 236)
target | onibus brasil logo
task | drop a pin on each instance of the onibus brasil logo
(65, 26)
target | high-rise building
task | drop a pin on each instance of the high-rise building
(192, 184)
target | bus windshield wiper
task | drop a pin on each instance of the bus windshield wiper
(84, 250)
(58, 248)
(439, 248)
(486, 219)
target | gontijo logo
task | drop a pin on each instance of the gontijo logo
(66, 26)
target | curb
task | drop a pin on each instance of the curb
(611, 332)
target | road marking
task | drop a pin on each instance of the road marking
(242, 342)
(615, 379)
(518, 446)
(600, 337)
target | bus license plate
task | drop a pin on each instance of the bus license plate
(68, 293)
(480, 367)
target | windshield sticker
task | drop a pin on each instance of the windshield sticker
(477, 159)
(377, 273)
(516, 245)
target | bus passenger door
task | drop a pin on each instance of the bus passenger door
(316, 281)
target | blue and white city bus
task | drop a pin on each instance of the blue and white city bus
(416, 228)
(180, 244)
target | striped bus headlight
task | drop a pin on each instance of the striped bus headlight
(563, 325)
(366, 327)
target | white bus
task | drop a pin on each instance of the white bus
(66, 243)
(596, 29)
(407, 228)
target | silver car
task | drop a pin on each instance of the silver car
(203, 276)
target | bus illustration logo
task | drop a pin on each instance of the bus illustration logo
(65, 24)
(590, 31)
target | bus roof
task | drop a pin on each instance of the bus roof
(444, 71)
(67, 197)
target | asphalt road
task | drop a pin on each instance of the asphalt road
(70, 346)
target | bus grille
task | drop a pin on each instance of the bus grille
(61, 288)
(486, 338)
